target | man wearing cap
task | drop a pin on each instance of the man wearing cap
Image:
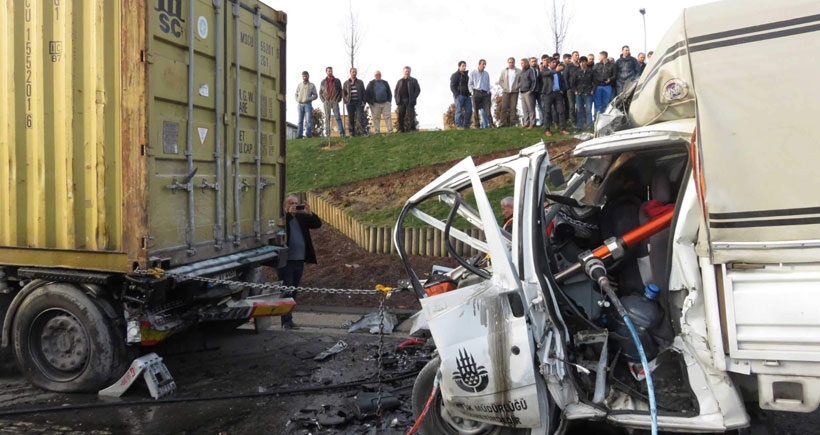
(305, 94)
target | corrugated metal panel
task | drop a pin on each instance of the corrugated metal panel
(212, 187)
(60, 139)
(94, 131)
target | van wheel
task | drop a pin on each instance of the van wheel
(64, 342)
(438, 421)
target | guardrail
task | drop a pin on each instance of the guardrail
(379, 239)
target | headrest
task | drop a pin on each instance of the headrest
(661, 188)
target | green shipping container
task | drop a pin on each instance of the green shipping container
(140, 133)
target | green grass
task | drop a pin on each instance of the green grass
(309, 166)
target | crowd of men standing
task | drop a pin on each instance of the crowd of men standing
(355, 95)
(553, 93)
(559, 93)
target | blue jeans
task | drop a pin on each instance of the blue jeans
(305, 111)
(290, 275)
(603, 95)
(484, 123)
(583, 110)
(463, 102)
(333, 107)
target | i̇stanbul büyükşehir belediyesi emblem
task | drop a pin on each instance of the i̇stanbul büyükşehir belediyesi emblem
(470, 377)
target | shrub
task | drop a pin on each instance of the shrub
(318, 119)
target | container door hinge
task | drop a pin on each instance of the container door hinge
(146, 57)
(147, 242)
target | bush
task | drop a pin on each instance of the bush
(318, 119)
(450, 117)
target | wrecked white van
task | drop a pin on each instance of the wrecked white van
(673, 278)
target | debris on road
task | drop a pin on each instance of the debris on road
(336, 348)
(371, 321)
(366, 404)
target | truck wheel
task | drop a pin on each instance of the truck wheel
(438, 421)
(64, 342)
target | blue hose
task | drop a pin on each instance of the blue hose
(650, 386)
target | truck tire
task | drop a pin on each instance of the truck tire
(64, 341)
(438, 421)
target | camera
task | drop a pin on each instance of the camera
(300, 207)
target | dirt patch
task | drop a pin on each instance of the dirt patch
(393, 190)
(333, 146)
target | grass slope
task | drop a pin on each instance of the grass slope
(311, 166)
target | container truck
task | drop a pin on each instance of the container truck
(143, 150)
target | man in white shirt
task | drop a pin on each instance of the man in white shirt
(482, 97)
(509, 95)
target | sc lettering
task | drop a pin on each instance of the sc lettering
(170, 16)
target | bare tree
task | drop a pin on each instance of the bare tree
(352, 34)
(560, 18)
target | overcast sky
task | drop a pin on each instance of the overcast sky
(432, 36)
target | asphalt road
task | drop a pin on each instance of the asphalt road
(245, 383)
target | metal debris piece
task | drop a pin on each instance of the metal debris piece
(336, 348)
(371, 322)
(156, 375)
(365, 403)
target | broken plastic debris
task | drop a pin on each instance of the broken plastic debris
(583, 136)
(371, 322)
(336, 348)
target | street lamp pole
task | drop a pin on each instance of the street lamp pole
(643, 15)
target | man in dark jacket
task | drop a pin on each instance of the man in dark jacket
(379, 98)
(603, 75)
(460, 87)
(553, 94)
(527, 86)
(627, 70)
(570, 70)
(330, 92)
(353, 95)
(583, 89)
(299, 221)
(407, 93)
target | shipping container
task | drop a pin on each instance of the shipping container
(139, 134)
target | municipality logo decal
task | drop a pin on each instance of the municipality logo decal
(470, 377)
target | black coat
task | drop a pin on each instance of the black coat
(582, 81)
(306, 222)
(459, 84)
(413, 91)
(547, 77)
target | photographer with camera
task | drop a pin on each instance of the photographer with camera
(299, 221)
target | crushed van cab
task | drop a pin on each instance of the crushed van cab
(670, 280)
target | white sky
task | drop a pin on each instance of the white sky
(432, 36)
